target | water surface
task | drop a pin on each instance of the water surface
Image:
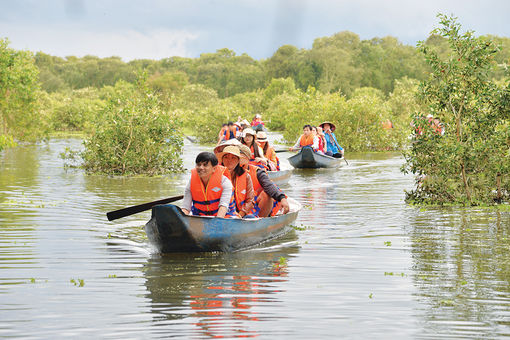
(360, 264)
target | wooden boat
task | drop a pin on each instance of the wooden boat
(279, 177)
(307, 158)
(170, 230)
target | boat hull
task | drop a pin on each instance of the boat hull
(307, 158)
(279, 177)
(170, 230)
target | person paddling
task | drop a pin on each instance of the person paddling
(332, 146)
(209, 191)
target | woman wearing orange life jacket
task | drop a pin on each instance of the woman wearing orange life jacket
(257, 155)
(241, 181)
(222, 133)
(273, 163)
(228, 132)
(306, 139)
(209, 191)
(269, 199)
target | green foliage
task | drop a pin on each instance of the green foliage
(335, 58)
(470, 163)
(338, 63)
(167, 84)
(72, 110)
(292, 111)
(250, 103)
(6, 142)
(227, 73)
(190, 102)
(193, 97)
(358, 119)
(360, 125)
(133, 135)
(207, 121)
(76, 73)
(18, 95)
(277, 87)
(403, 102)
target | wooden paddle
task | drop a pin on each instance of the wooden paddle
(113, 215)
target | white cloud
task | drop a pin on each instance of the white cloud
(127, 44)
(133, 29)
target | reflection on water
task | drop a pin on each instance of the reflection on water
(218, 292)
(461, 268)
(19, 203)
(361, 263)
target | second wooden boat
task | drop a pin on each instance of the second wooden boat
(307, 158)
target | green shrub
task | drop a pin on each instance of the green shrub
(470, 163)
(132, 135)
(19, 90)
(6, 142)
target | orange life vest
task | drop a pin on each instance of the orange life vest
(270, 154)
(257, 188)
(306, 140)
(252, 149)
(232, 204)
(276, 207)
(252, 160)
(240, 191)
(271, 157)
(230, 133)
(206, 200)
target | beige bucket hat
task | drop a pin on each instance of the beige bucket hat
(231, 149)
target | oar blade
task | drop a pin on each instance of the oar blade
(113, 215)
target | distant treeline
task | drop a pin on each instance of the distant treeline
(445, 103)
(339, 63)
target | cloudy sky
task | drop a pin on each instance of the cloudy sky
(135, 29)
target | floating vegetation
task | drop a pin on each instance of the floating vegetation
(78, 282)
(448, 303)
(394, 274)
(387, 243)
(301, 228)
(282, 263)
(24, 202)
